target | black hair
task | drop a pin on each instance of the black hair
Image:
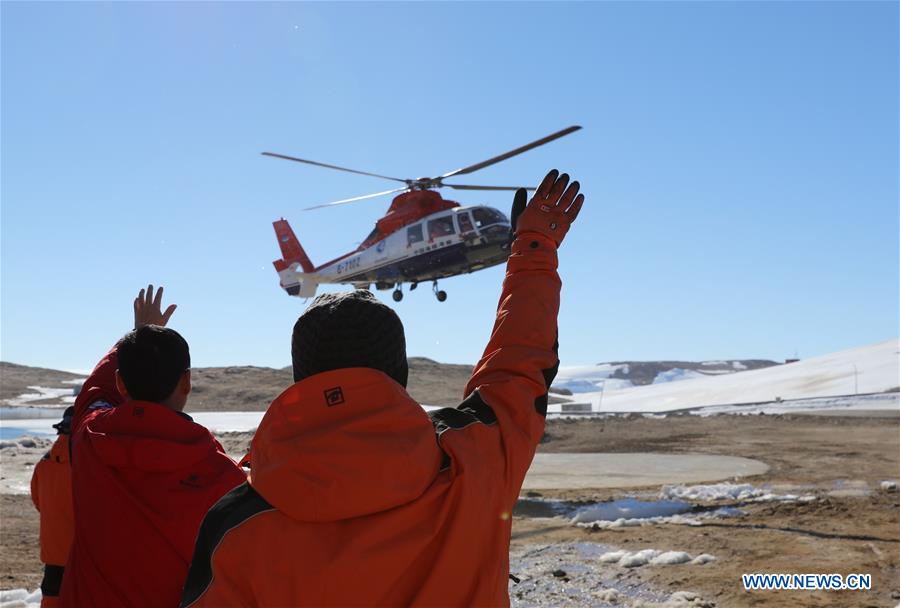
(152, 360)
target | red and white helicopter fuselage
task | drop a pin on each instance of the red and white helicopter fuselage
(419, 247)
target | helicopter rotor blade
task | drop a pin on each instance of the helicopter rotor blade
(465, 187)
(327, 166)
(511, 153)
(356, 198)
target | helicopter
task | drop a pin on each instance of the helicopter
(423, 237)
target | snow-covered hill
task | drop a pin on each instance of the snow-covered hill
(626, 374)
(868, 369)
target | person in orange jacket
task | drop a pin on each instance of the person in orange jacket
(51, 493)
(358, 497)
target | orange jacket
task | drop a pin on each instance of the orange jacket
(358, 497)
(51, 493)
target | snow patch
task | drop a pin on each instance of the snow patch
(20, 598)
(612, 557)
(743, 492)
(678, 520)
(43, 393)
(676, 374)
(591, 378)
(639, 558)
(616, 384)
(577, 386)
(653, 557)
(669, 558)
(836, 377)
(711, 492)
(848, 403)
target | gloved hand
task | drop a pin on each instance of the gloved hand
(551, 211)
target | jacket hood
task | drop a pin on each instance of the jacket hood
(343, 444)
(148, 437)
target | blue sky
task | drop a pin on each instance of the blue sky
(740, 162)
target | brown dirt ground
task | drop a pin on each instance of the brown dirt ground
(836, 533)
(844, 534)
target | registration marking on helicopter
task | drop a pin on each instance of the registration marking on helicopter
(350, 264)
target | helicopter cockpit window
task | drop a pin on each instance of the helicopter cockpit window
(441, 226)
(465, 223)
(485, 216)
(414, 235)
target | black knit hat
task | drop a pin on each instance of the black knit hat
(350, 329)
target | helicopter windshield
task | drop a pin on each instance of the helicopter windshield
(485, 216)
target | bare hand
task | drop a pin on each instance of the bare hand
(551, 211)
(147, 309)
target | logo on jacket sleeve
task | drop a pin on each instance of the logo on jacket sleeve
(334, 396)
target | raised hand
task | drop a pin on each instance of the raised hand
(147, 308)
(552, 209)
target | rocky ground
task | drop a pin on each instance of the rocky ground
(849, 525)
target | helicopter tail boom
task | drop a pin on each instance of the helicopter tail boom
(298, 284)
